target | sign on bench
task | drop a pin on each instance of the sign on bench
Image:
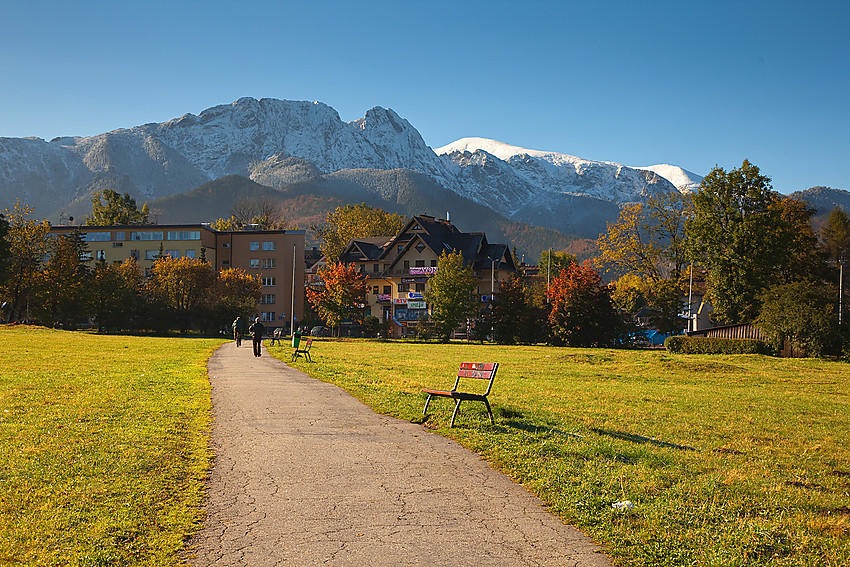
(478, 370)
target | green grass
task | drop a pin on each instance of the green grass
(729, 460)
(103, 447)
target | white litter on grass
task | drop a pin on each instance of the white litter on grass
(623, 506)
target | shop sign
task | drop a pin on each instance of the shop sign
(486, 298)
(384, 297)
(400, 301)
(414, 280)
(415, 295)
(416, 305)
(423, 271)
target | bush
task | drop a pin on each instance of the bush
(711, 345)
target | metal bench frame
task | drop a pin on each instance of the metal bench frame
(479, 370)
(304, 350)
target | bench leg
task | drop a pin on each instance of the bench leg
(454, 413)
(489, 411)
(307, 356)
(428, 401)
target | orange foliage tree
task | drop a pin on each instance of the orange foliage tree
(342, 296)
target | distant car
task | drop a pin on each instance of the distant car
(320, 332)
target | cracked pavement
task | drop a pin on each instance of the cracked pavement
(305, 474)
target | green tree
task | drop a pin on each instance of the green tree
(111, 208)
(28, 243)
(552, 262)
(582, 313)
(514, 317)
(341, 297)
(354, 221)
(451, 294)
(802, 312)
(736, 231)
(64, 285)
(5, 249)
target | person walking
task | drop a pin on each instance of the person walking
(257, 331)
(238, 330)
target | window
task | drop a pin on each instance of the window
(117, 244)
(173, 253)
(420, 263)
(225, 245)
(420, 247)
(268, 245)
(267, 316)
(254, 263)
(254, 246)
(376, 290)
(268, 282)
(376, 268)
(404, 287)
(190, 254)
(118, 236)
(151, 254)
(407, 264)
(184, 235)
(268, 262)
(267, 298)
(153, 235)
(388, 289)
(100, 255)
(97, 237)
(85, 256)
(433, 263)
(225, 262)
(420, 287)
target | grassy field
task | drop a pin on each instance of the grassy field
(728, 460)
(103, 447)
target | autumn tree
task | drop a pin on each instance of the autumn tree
(64, 286)
(183, 284)
(28, 243)
(836, 234)
(451, 294)
(236, 292)
(342, 296)
(5, 251)
(582, 311)
(265, 214)
(110, 208)
(115, 295)
(552, 262)
(354, 221)
(648, 238)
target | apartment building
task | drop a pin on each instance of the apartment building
(398, 268)
(275, 256)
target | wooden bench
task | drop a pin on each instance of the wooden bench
(480, 370)
(303, 349)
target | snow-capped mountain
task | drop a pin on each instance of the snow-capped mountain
(684, 180)
(278, 142)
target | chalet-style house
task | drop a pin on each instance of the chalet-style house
(398, 268)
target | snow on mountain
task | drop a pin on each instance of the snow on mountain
(277, 142)
(552, 173)
(684, 180)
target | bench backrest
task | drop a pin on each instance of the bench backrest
(307, 344)
(481, 370)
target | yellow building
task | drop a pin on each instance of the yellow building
(275, 256)
(399, 267)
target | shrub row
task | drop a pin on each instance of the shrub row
(711, 345)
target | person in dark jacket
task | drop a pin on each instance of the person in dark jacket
(238, 327)
(257, 331)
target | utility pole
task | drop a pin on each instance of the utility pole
(841, 287)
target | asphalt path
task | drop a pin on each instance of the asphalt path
(305, 474)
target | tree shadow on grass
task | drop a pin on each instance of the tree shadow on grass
(641, 439)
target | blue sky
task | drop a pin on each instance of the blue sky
(694, 84)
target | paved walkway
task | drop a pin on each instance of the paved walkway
(306, 475)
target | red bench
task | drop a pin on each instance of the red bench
(479, 370)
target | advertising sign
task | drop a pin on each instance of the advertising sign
(416, 305)
(400, 301)
(384, 297)
(421, 271)
(415, 295)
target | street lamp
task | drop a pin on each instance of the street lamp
(841, 260)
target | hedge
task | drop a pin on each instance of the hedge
(711, 345)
